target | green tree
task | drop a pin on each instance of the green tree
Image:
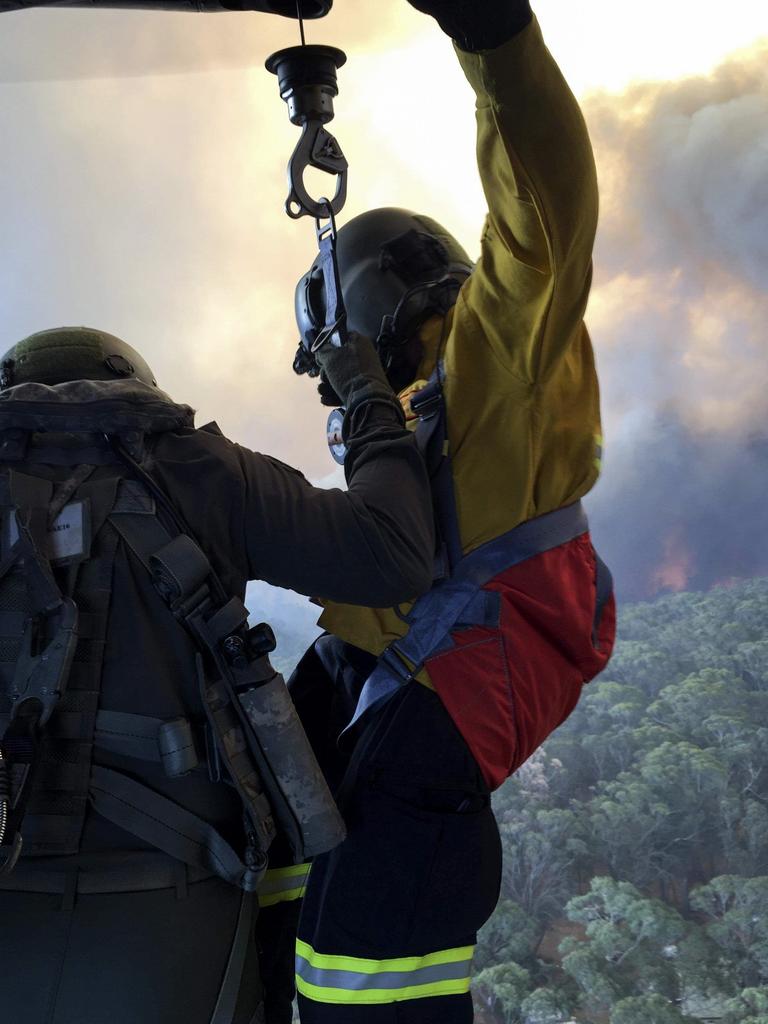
(736, 908)
(612, 712)
(750, 1007)
(551, 1005)
(502, 990)
(634, 938)
(509, 935)
(650, 1009)
(598, 989)
(542, 849)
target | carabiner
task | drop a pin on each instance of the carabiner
(316, 148)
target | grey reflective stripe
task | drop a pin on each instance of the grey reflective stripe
(353, 981)
(348, 980)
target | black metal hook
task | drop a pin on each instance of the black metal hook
(316, 148)
(307, 81)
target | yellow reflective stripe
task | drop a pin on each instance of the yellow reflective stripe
(331, 962)
(282, 897)
(598, 460)
(280, 885)
(290, 872)
(329, 978)
(372, 995)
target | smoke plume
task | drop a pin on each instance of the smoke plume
(678, 315)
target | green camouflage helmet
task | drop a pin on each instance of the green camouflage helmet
(72, 353)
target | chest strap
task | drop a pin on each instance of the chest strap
(175, 743)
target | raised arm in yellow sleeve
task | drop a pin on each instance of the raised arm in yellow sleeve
(528, 293)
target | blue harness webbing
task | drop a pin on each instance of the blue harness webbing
(457, 597)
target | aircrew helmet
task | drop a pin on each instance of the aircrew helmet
(72, 353)
(397, 268)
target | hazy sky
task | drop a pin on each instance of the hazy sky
(142, 190)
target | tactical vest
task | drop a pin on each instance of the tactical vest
(73, 495)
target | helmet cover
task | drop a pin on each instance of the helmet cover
(72, 353)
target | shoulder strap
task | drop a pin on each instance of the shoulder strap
(258, 734)
(180, 572)
(432, 439)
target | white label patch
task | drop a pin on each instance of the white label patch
(67, 536)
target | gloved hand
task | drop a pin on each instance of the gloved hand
(352, 372)
(478, 24)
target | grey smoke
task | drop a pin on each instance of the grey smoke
(154, 210)
(684, 236)
(49, 45)
(688, 163)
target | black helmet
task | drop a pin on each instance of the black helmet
(397, 268)
(72, 353)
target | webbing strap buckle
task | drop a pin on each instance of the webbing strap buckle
(428, 401)
(395, 665)
(10, 853)
(43, 665)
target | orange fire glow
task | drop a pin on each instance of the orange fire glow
(677, 566)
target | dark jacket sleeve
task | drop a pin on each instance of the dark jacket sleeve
(478, 24)
(372, 544)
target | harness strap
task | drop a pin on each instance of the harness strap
(457, 600)
(178, 577)
(226, 1004)
(135, 871)
(604, 591)
(166, 826)
(171, 743)
(432, 440)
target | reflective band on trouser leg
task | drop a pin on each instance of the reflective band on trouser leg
(349, 980)
(282, 884)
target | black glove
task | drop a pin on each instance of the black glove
(351, 373)
(478, 24)
(305, 362)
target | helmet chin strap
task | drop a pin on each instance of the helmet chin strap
(431, 297)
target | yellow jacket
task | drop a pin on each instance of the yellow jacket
(521, 389)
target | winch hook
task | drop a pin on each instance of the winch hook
(307, 81)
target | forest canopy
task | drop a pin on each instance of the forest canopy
(635, 886)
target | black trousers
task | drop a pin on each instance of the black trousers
(390, 918)
(125, 958)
